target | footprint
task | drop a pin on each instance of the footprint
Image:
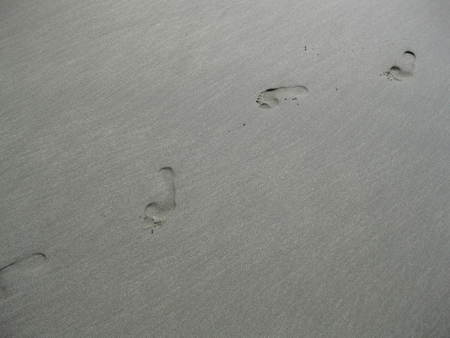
(274, 96)
(404, 68)
(20, 271)
(156, 212)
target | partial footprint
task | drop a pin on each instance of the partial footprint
(404, 67)
(156, 212)
(20, 271)
(274, 96)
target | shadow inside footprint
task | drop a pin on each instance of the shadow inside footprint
(272, 97)
(20, 271)
(156, 212)
(404, 68)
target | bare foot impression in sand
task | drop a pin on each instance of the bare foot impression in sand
(272, 97)
(404, 67)
(20, 271)
(156, 212)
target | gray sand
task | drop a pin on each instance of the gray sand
(144, 192)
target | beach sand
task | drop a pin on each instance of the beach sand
(225, 168)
